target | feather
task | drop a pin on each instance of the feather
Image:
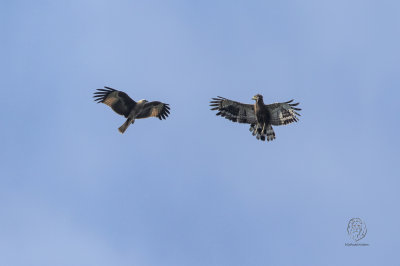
(154, 109)
(119, 101)
(232, 110)
(283, 113)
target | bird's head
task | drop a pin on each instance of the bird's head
(257, 97)
(143, 101)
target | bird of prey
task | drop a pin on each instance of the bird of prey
(261, 117)
(122, 104)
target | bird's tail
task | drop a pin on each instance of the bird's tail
(126, 125)
(268, 131)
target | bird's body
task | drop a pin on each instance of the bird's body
(122, 104)
(261, 117)
(134, 113)
(262, 113)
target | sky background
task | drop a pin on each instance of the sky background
(197, 189)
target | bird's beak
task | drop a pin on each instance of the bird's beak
(254, 98)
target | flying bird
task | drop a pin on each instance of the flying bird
(260, 116)
(122, 104)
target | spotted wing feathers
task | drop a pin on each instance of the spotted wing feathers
(234, 111)
(283, 113)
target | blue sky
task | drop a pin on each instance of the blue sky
(196, 189)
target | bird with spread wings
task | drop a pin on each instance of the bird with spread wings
(260, 116)
(122, 104)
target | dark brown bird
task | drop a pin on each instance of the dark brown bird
(261, 117)
(122, 104)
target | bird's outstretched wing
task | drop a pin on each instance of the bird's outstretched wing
(119, 101)
(283, 113)
(234, 111)
(154, 109)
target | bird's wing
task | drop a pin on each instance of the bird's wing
(154, 109)
(283, 113)
(119, 101)
(234, 111)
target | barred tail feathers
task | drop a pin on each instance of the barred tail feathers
(268, 132)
